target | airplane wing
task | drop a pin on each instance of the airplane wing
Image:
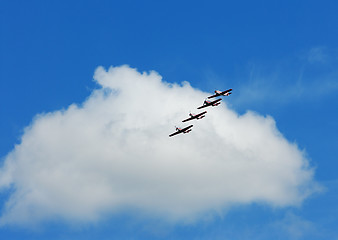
(210, 103)
(195, 116)
(220, 94)
(180, 131)
(173, 134)
(188, 119)
(215, 101)
(200, 114)
(215, 95)
(186, 128)
(203, 106)
(224, 92)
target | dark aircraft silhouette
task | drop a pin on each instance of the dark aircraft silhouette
(210, 103)
(220, 93)
(195, 116)
(181, 130)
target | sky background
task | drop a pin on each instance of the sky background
(279, 57)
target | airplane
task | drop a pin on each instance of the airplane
(181, 130)
(208, 103)
(220, 93)
(197, 116)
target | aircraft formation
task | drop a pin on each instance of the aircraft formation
(201, 115)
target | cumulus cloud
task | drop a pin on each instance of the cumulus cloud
(112, 153)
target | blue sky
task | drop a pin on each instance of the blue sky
(279, 57)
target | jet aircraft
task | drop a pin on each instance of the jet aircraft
(220, 93)
(181, 130)
(195, 116)
(210, 103)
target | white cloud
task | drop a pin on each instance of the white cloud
(295, 227)
(309, 77)
(113, 153)
(318, 55)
